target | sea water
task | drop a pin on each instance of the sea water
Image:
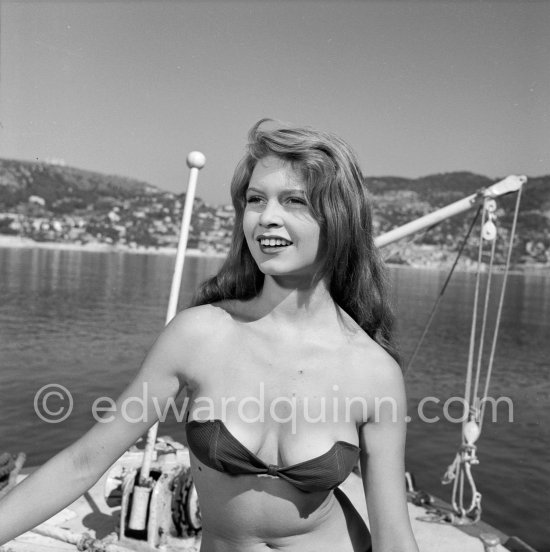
(85, 320)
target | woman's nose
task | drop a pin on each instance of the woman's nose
(271, 215)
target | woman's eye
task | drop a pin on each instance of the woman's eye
(297, 200)
(253, 199)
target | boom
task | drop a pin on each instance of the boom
(508, 185)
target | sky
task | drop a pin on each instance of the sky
(417, 87)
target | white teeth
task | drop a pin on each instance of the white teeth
(274, 242)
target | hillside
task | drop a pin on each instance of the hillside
(58, 203)
(21, 179)
(399, 200)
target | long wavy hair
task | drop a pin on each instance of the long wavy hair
(339, 202)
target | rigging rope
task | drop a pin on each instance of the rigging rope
(442, 291)
(459, 472)
(500, 305)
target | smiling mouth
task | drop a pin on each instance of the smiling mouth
(269, 243)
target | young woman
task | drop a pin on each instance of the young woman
(288, 361)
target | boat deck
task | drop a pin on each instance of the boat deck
(93, 514)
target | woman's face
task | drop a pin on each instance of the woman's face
(281, 233)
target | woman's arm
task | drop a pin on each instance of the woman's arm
(382, 441)
(75, 469)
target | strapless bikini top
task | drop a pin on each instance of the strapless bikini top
(215, 446)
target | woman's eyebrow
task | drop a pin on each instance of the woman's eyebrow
(284, 190)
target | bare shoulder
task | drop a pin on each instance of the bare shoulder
(375, 370)
(377, 380)
(369, 361)
(196, 323)
(190, 340)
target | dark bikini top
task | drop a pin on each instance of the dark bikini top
(215, 446)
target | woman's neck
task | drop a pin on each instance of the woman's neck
(285, 302)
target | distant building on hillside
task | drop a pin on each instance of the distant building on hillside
(55, 161)
(37, 199)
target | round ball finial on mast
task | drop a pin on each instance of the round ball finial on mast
(196, 160)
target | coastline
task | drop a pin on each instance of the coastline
(18, 242)
(442, 264)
